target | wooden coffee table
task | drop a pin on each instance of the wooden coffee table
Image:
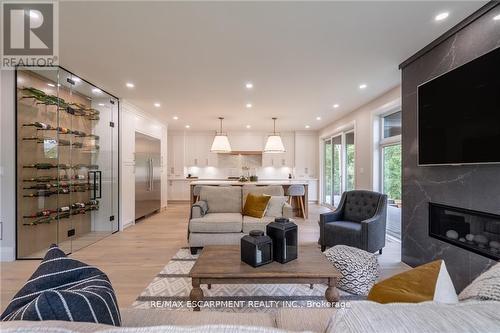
(221, 264)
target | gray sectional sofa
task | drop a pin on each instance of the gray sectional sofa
(217, 219)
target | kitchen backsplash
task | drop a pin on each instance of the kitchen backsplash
(223, 173)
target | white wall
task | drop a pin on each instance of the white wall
(363, 120)
(133, 119)
(7, 166)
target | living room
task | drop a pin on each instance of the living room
(250, 166)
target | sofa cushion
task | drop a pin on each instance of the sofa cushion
(343, 232)
(359, 268)
(222, 199)
(360, 205)
(216, 223)
(275, 206)
(252, 223)
(427, 317)
(52, 326)
(272, 190)
(64, 288)
(256, 205)
(154, 317)
(304, 319)
(429, 282)
(485, 287)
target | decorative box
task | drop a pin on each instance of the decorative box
(283, 232)
(256, 248)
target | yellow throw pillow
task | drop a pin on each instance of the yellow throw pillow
(256, 204)
(429, 282)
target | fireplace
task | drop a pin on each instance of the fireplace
(472, 230)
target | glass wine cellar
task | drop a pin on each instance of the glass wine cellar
(67, 162)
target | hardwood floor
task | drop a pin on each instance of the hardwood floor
(133, 257)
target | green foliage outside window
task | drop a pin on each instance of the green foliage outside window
(392, 171)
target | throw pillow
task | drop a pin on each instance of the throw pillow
(255, 205)
(359, 268)
(485, 287)
(275, 206)
(429, 282)
(63, 288)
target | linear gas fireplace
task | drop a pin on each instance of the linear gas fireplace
(472, 230)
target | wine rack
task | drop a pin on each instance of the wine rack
(65, 149)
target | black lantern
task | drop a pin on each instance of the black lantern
(256, 248)
(283, 232)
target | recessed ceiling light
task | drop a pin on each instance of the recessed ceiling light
(248, 105)
(101, 104)
(318, 118)
(248, 126)
(249, 85)
(96, 91)
(130, 85)
(497, 18)
(157, 105)
(441, 16)
(335, 106)
(307, 126)
(175, 118)
(34, 14)
(188, 126)
(362, 86)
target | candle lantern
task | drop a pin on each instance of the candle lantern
(283, 232)
(256, 248)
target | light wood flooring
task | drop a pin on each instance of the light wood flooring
(133, 257)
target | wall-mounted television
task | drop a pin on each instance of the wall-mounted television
(459, 114)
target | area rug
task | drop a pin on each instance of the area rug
(170, 290)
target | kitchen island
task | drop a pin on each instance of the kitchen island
(284, 183)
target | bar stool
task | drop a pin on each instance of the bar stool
(297, 191)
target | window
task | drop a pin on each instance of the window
(391, 170)
(339, 167)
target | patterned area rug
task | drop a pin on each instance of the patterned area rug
(170, 290)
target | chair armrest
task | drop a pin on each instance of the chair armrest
(196, 209)
(336, 215)
(287, 210)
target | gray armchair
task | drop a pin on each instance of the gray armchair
(359, 221)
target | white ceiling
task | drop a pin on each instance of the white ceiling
(195, 57)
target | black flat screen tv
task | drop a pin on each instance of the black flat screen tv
(459, 114)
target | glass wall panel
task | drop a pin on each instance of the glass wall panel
(67, 173)
(350, 161)
(328, 173)
(392, 187)
(392, 125)
(337, 169)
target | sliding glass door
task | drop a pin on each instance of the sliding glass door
(339, 167)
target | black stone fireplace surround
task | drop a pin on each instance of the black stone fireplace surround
(473, 187)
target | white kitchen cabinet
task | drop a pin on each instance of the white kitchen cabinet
(178, 190)
(198, 151)
(313, 190)
(306, 155)
(285, 159)
(175, 154)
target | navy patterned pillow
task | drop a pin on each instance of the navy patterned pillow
(63, 288)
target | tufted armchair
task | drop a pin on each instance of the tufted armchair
(359, 221)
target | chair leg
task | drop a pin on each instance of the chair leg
(303, 211)
(380, 251)
(311, 286)
(323, 248)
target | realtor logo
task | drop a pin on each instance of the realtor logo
(29, 36)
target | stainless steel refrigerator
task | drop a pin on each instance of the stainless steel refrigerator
(147, 175)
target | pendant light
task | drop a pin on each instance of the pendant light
(221, 142)
(274, 143)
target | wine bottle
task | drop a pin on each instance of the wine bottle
(45, 212)
(39, 125)
(79, 177)
(93, 203)
(41, 193)
(64, 130)
(40, 166)
(42, 186)
(63, 209)
(77, 205)
(40, 179)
